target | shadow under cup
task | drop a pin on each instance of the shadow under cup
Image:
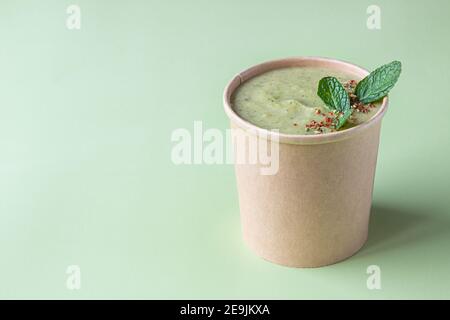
(314, 210)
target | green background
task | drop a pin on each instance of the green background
(86, 176)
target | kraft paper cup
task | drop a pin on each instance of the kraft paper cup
(315, 210)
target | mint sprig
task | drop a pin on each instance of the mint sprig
(372, 88)
(336, 98)
(333, 94)
(378, 83)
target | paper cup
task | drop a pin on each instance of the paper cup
(315, 210)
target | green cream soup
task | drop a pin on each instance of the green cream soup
(286, 99)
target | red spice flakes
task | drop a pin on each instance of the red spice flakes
(350, 86)
(353, 98)
(328, 123)
(361, 107)
(357, 106)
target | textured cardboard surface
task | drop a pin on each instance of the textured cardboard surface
(315, 210)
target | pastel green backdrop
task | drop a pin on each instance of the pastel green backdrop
(86, 176)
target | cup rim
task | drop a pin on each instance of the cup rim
(261, 68)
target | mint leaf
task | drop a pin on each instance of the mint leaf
(343, 117)
(336, 98)
(333, 94)
(378, 83)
